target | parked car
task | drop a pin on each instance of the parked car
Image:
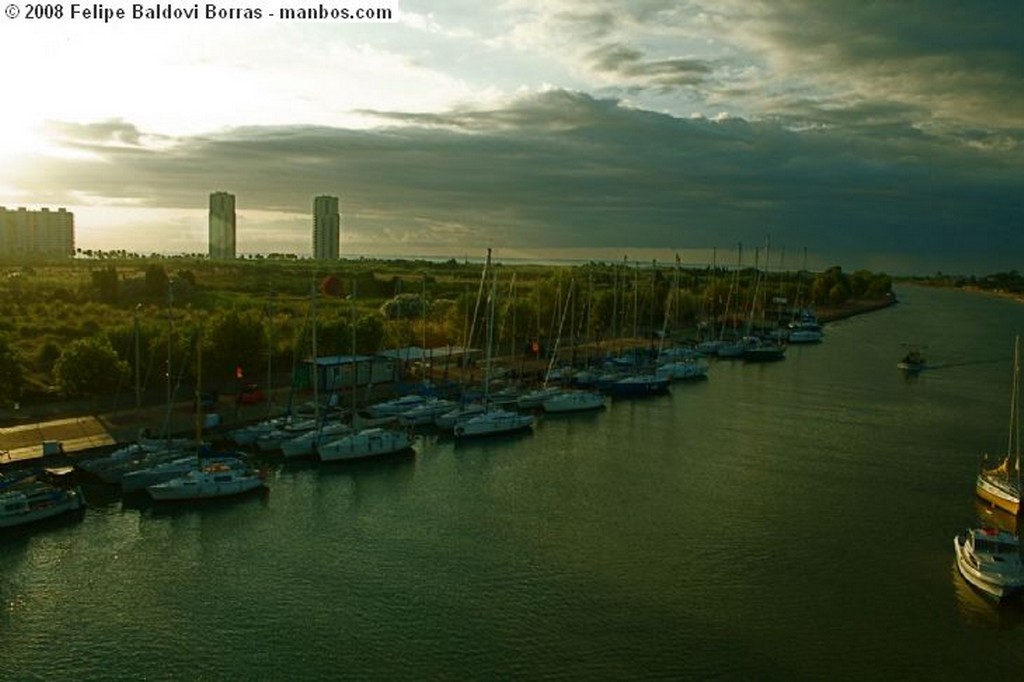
(252, 394)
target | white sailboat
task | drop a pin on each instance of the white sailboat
(574, 401)
(493, 420)
(676, 363)
(366, 438)
(1001, 485)
(220, 479)
(306, 444)
(271, 440)
(208, 482)
(364, 444)
(426, 412)
(165, 471)
(447, 420)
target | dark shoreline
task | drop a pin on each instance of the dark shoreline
(854, 308)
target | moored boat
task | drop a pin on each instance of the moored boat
(366, 443)
(248, 434)
(206, 483)
(756, 349)
(112, 466)
(990, 560)
(805, 332)
(637, 385)
(426, 412)
(1001, 485)
(682, 370)
(395, 407)
(574, 401)
(271, 440)
(805, 328)
(36, 501)
(306, 444)
(493, 422)
(536, 397)
(447, 420)
(141, 479)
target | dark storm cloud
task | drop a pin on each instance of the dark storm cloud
(954, 62)
(947, 63)
(631, 65)
(564, 169)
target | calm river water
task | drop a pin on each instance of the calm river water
(783, 521)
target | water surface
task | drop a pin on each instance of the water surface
(783, 521)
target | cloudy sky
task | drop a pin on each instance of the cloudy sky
(886, 134)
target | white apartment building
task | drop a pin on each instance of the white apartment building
(43, 232)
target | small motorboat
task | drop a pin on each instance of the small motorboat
(990, 560)
(913, 361)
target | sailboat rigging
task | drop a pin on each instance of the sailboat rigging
(1001, 485)
(492, 421)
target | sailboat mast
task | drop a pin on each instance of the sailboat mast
(316, 365)
(138, 389)
(1013, 442)
(355, 367)
(490, 333)
(558, 337)
(270, 350)
(199, 386)
(170, 346)
(476, 308)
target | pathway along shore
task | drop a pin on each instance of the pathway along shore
(82, 433)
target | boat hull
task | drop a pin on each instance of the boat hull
(205, 486)
(574, 402)
(634, 387)
(494, 423)
(136, 481)
(365, 444)
(998, 495)
(764, 354)
(912, 366)
(68, 501)
(997, 586)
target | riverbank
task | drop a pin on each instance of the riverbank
(853, 308)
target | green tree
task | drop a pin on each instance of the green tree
(233, 338)
(881, 285)
(89, 367)
(105, 282)
(403, 307)
(369, 334)
(156, 282)
(12, 372)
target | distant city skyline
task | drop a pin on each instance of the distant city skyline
(883, 135)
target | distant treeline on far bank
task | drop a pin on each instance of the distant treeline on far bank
(1011, 282)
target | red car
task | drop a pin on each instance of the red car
(252, 394)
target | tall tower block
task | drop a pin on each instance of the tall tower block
(222, 225)
(326, 228)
